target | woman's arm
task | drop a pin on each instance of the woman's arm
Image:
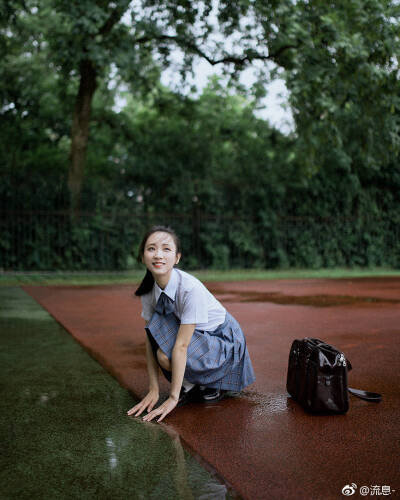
(152, 367)
(179, 356)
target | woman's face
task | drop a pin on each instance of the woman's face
(160, 254)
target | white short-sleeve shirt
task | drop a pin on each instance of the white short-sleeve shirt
(193, 303)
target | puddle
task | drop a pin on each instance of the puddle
(63, 424)
(304, 300)
(267, 403)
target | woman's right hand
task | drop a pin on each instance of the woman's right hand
(147, 403)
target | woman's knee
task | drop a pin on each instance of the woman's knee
(163, 360)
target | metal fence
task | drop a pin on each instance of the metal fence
(54, 241)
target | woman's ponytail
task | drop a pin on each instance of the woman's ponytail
(146, 285)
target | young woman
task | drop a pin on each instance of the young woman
(199, 346)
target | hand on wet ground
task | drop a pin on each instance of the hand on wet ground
(162, 410)
(147, 403)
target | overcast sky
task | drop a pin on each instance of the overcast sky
(274, 109)
(274, 103)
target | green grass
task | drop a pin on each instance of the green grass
(64, 430)
(134, 276)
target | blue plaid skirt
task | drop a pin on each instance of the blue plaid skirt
(217, 359)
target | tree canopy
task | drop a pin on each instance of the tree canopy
(65, 64)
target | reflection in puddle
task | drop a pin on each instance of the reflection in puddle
(45, 397)
(189, 482)
(213, 491)
(181, 477)
(112, 456)
(303, 300)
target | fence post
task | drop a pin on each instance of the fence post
(196, 229)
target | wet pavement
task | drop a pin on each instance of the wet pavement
(261, 442)
(64, 430)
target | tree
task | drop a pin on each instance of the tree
(87, 39)
(343, 79)
(316, 46)
(92, 37)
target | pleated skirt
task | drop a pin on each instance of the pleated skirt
(217, 359)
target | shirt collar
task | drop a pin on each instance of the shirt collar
(170, 289)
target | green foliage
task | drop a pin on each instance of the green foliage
(240, 193)
(37, 241)
(343, 82)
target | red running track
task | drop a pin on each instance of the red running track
(262, 443)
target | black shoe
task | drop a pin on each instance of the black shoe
(209, 394)
(185, 396)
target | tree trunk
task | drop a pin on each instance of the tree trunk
(80, 132)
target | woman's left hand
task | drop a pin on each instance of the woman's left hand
(162, 410)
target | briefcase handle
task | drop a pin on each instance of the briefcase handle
(367, 395)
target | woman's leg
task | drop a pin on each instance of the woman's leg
(163, 360)
(165, 364)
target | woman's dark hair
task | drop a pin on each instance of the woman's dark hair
(148, 281)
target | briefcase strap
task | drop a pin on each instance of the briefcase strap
(368, 396)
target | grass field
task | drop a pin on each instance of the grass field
(63, 425)
(132, 277)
